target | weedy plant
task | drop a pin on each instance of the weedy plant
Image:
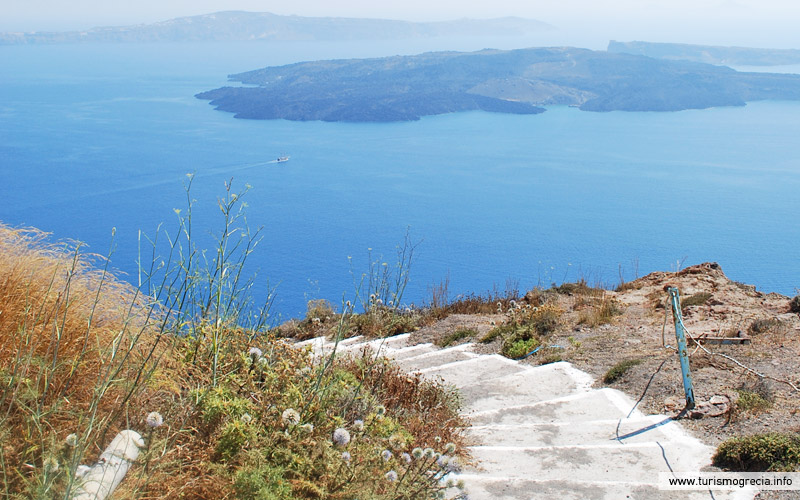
(525, 326)
(455, 336)
(618, 370)
(698, 299)
(441, 306)
(773, 451)
(598, 310)
(225, 408)
(77, 348)
(380, 291)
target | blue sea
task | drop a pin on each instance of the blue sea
(95, 137)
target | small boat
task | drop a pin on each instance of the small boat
(282, 159)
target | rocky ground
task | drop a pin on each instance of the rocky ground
(725, 309)
(745, 387)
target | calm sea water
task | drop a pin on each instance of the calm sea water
(95, 137)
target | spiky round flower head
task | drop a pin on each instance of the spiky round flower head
(50, 465)
(460, 484)
(72, 440)
(449, 448)
(391, 476)
(443, 461)
(417, 453)
(254, 353)
(341, 437)
(358, 425)
(397, 441)
(290, 417)
(429, 453)
(406, 458)
(246, 418)
(449, 483)
(372, 297)
(154, 419)
(437, 439)
(346, 456)
(309, 428)
(380, 410)
(386, 455)
(262, 362)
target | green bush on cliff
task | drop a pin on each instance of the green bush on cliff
(774, 452)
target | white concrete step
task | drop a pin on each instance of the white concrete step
(412, 351)
(638, 462)
(350, 341)
(507, 488)
(384, 346)
(543, 432)
(621, 431)
(435, 357)
(471, 372)
(598, 404)
(317, 345)
(326, 345)
(530, 385)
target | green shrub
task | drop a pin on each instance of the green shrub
(552, 358)
(751, 401)
(233, 438)
(763, 325)
(619, 370)
(219, 402)
(774, 452)
(382, 321)
(495, 332)
(262, 483)
(455, 336)
(794, 304)
(515, 348)
(697, 299)
(579, 287)
(546, 319)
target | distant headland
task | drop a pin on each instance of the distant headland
(711, 54)
(509, 81)
(251, 26)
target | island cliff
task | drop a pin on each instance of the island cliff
(516, 81)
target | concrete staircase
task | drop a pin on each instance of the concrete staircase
(543, 432)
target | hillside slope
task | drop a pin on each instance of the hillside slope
(516, 81)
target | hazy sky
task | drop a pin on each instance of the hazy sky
(774, 21)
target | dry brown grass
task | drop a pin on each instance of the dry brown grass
(441, 306)
(81, 353)
(599, 311)
(74, 343)
(426, 411)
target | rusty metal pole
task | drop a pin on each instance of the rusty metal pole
(680, 335)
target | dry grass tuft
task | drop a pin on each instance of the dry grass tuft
(598, 311)
(74, 347)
